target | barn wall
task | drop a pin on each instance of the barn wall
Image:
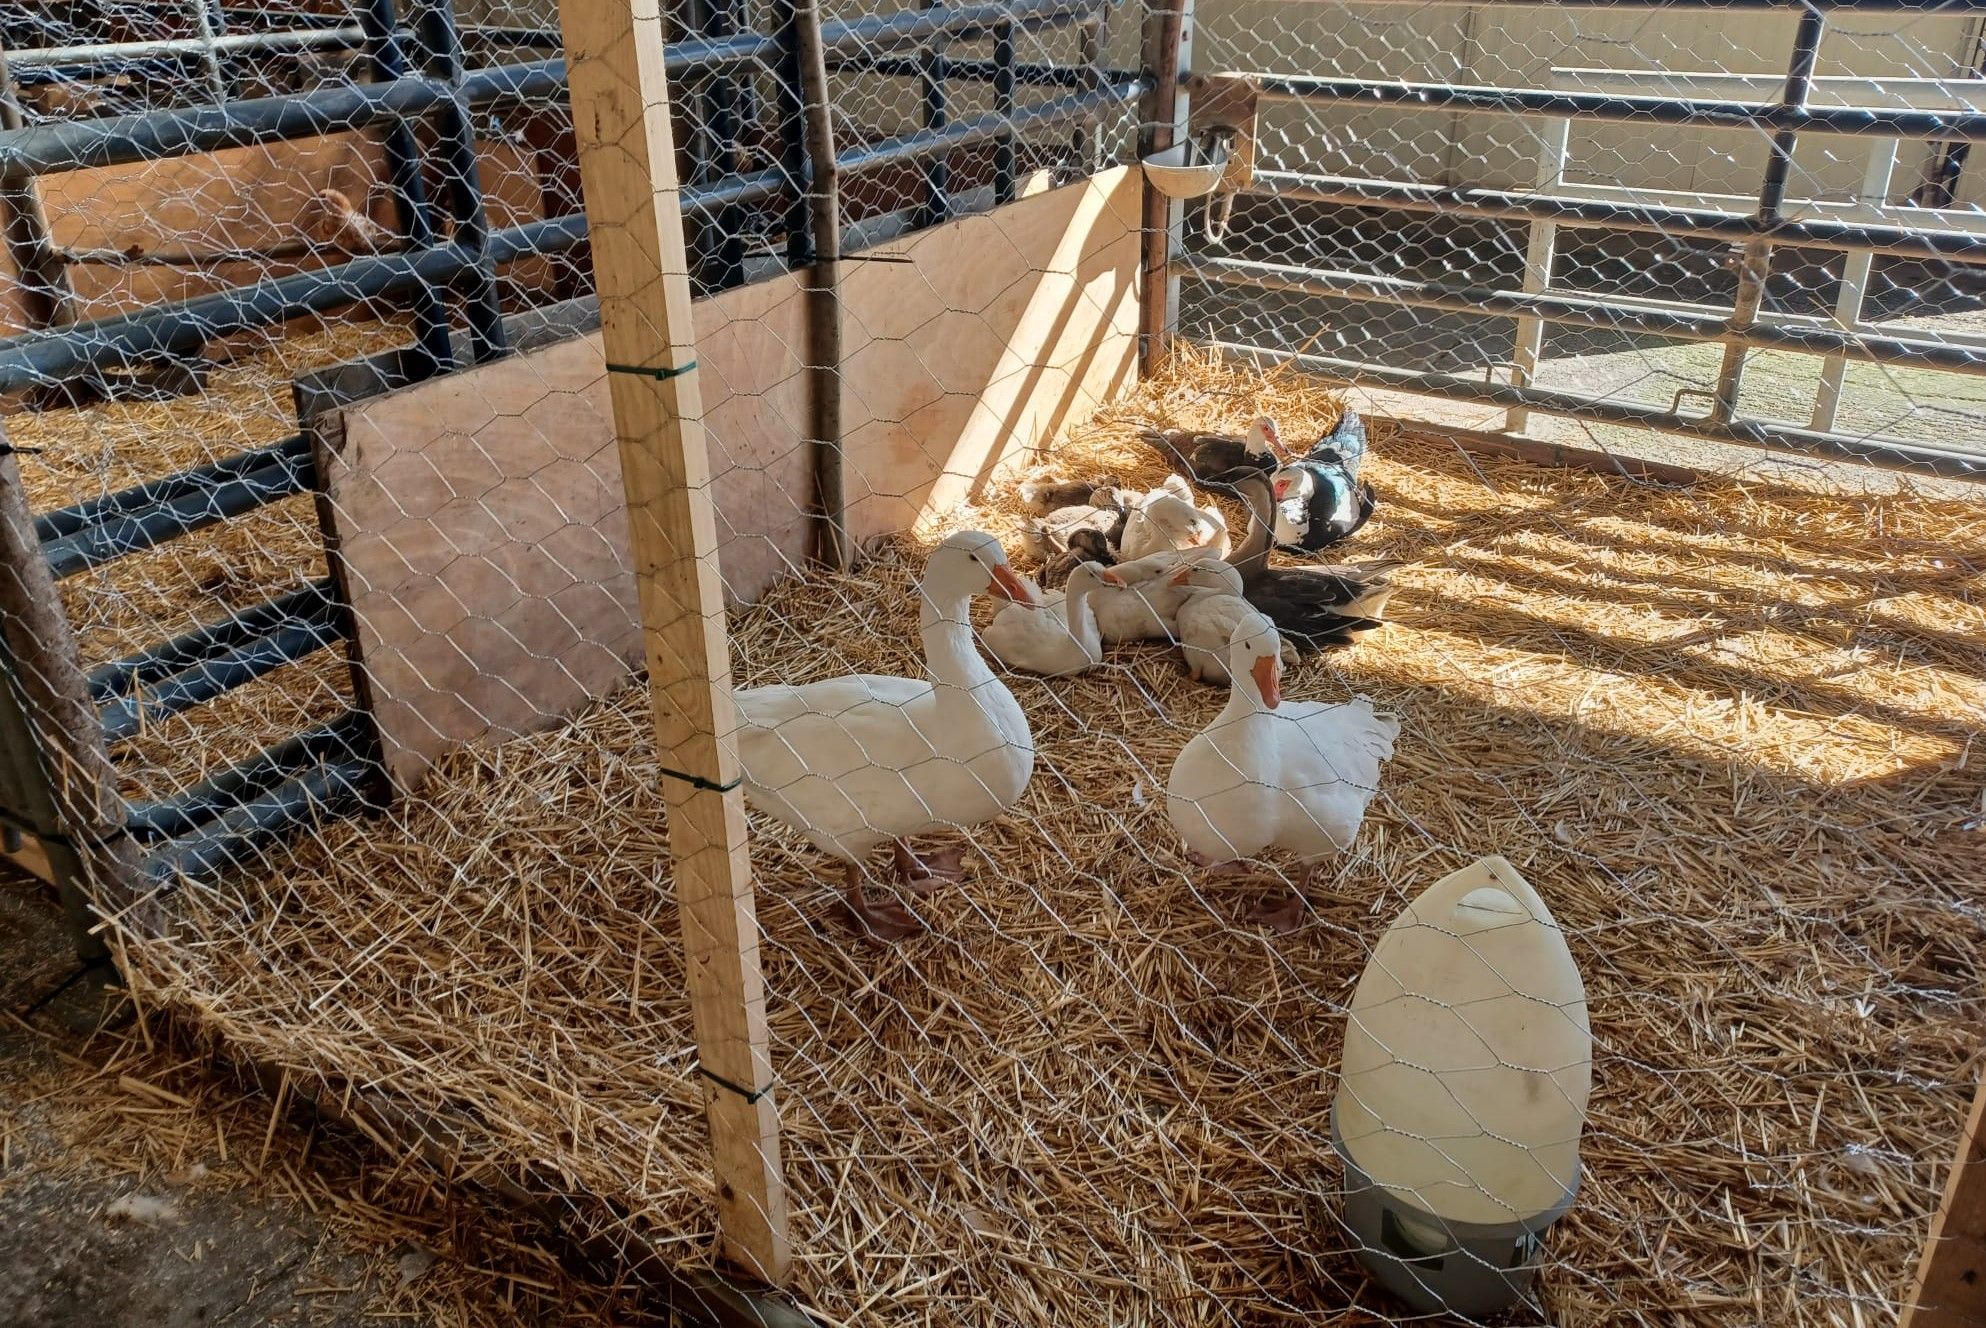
(479, 518)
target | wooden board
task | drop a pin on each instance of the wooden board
(235, 199)
(480, 517)
(1950, 1288)
(620, 99)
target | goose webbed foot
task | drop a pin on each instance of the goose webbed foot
(1284, 913)
(879, 922)
(1280, 914)
(1217, 870)
(925, 872)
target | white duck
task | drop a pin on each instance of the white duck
(857, 761)
(1213, 606)
(1143, 607)
(1166, 518)
(1058, 639)
(1265, 775)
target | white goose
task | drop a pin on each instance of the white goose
(1144, 606)
(1165, 519)
(1214, 605)
(857, 761)
(1268, 775)
(1061, 637)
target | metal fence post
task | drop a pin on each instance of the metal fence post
(1756, 265)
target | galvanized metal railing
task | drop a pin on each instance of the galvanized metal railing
(1786, 107)
(447, 263)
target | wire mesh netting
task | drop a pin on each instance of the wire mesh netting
(324, 482)
(1320, 252)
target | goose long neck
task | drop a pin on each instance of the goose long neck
(1253, 555)
(1076, 615)
(950, 658)
(1244, 699)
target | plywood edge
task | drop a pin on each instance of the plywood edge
(1949, 1288)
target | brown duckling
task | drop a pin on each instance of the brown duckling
(1045, 493)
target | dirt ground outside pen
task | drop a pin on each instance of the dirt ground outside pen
(139, 1188)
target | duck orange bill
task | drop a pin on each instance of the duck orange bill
(1269, 679)
(1008, 585)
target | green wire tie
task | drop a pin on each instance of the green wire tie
(750, 1095)
(698, 781)
(659, 375)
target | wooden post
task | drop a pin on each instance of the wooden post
(73, 803)
(1855, 271)
(1165, 38)
(823, 280)
(46, 297)
(627, 159)
(1949, 1290)
(1530, 348)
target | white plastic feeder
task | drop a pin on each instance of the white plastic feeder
(1184, 170)
(1467, 1066)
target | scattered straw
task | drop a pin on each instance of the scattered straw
(1727, 733)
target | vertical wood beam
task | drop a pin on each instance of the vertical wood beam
(47, 300)
(1165, 40)
(1553, 145)
(1949, 1290)
(823, 285)
(627, 158)
(57, 746)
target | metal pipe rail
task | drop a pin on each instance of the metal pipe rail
(49, 358)
(297, 639)
(1812, 335)
(305, 605)
(51, 526)
(1882, 121)
(236, 836)
(343, 738)
(122, 533)
(1605, 214)
(1889, 454)
(78, 144)
(115, 55)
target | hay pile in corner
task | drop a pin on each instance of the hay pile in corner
(1731, 736)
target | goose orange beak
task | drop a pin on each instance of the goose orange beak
(1008, 585)
(1179, 577)
(1268, 679)
(1109, 578)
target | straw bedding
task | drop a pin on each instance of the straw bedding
(1729, 734)
(137, 601)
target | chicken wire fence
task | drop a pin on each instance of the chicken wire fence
(331, 513)
(1758, 223)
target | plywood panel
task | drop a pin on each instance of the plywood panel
(479, 519)
(237, 199)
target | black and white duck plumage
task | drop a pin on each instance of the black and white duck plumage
(1319, 499)
(1218, 458)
